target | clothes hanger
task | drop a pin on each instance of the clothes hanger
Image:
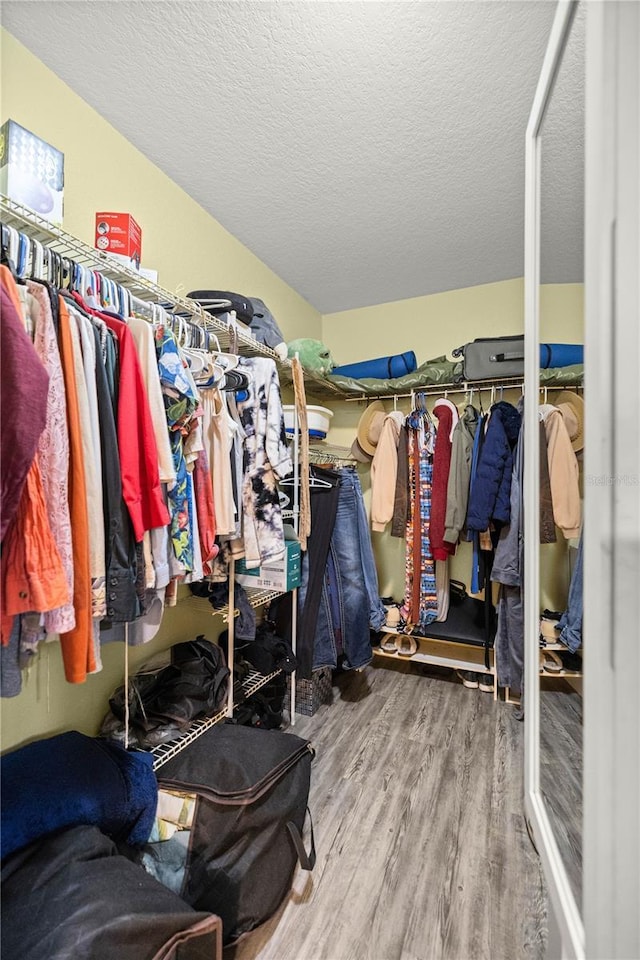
(316, 482)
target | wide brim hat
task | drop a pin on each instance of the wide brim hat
(370, 426)
(571, 406)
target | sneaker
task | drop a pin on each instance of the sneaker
(486, 682)
(469, 679)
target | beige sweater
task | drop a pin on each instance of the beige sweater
(384, 470)
(563, 472)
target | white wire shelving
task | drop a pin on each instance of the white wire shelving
(253, 682)
(35, 227)
(257, 598)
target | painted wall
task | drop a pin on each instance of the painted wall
(103, 171)
(437, 324)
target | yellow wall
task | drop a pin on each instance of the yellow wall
(103, 171)
(437, 324)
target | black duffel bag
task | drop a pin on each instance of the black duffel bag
(164, 701)
(72, 896)
(252, 788)
(217, 302)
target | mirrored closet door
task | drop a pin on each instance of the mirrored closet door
(554, 445)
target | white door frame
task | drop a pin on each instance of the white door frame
(561, 896)
(611, 837)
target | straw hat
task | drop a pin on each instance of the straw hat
(370, 427)
(571, 406)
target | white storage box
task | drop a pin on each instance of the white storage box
(318, 419)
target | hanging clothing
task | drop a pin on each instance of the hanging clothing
(356, 583)
(460, 473)
(218, 431)
(33, 577)
(77, 644)
(23, 391)
(447, 415)
(268, 460)
(489, 499)
(384, 471)
(53, 454)
(563, 472)
(508, 570)
(420, 606)
(206, 511)
(144, 339)
(428, 599)
(473, 535)
(120, 547)
(90, 438)
(136, 439)
(180, 401)
(401, 501)
(570, 624)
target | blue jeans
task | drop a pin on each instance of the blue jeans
(356, 583)
(570, 624)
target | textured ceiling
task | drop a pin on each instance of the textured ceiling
(366, 151)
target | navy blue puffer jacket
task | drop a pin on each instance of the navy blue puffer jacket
(490, 496)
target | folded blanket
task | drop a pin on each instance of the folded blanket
(73, 779)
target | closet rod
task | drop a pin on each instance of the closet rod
(439, 390)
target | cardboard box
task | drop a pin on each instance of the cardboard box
(283, 574)
(31, 172)
(119, 235)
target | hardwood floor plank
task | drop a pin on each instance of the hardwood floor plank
(423, 852)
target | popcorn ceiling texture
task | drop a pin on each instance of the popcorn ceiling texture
(365, 151)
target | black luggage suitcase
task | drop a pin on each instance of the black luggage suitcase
(251, 789)
(492, 358)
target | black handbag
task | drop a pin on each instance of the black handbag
(251, 788)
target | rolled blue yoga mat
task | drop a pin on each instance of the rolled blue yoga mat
(560, 354)
(383, 368)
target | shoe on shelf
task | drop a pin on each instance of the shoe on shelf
(393, 617)
(406, 645)
(550, 662)
(469, 679)
(486, 682)
(388, 643)
(571, 661)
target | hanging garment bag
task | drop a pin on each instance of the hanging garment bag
(251, 788)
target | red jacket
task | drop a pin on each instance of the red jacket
(440, 548)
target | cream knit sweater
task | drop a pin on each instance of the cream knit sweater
(384, 471)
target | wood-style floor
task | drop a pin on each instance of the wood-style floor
(561, 773)
(423, 852)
